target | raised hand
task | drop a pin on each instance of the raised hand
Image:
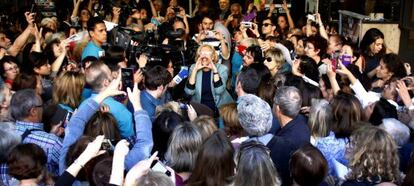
(116, 11)
(121, 148)
(140, 169)
(219, 36)
(138, 76)
(30, 18)
(134, 96)
(192, 114)
(112, 90)
(92, 150)
(285, 6)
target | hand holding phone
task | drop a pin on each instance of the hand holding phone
(210, 34)
(127, 78)
(160, 167)
(247, 24)
(311, 17)
(334, 59)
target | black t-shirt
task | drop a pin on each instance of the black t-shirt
(206, 94)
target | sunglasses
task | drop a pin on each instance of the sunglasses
(266, 24)
(268, 59)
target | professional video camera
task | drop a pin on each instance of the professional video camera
(137, 43)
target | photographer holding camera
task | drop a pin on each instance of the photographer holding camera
(207, 35)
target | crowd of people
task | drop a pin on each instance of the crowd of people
(141, 93)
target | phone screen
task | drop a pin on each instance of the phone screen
(160, 167)
(127, 78)
(334, 59)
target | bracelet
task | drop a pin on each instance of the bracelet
(215, 73)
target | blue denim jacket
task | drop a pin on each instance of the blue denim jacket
(150, 103)
(143, 142)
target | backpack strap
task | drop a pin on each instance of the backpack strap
(27, 132)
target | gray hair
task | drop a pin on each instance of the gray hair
(183, 148)
(289, 100)
(2, 87)
(22, 102)
(399, 132)
(255, 115)
(320, 117)
(9, 139)
(56, 36)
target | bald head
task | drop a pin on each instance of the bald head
(98, 75)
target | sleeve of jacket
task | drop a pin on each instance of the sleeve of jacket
(143, 142)
(190, 90)
(75, 128)
(224, 75)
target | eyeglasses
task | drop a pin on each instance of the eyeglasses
(205, 54)
(266, 24)
(12, 68)
(38, 106)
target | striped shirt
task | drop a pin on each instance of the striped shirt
(50, 143)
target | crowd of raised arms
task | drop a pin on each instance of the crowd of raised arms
(142, 93)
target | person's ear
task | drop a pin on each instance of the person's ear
(33, 112)
(317, 51)
(238, 85)
(37, 70)
(390, 73)
(106, 82)
(276, 109)
(91, 34)
(114, 74)
(160, 88)
(215, 57)
(354, 58)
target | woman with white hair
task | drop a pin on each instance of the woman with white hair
(255, 116)
(207, 80)
(320, 118)
(9, 139)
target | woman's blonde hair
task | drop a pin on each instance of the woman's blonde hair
(374, 156)
(276, 55)
(320, 117)
(206, 126)
(249, 42)
(230, 117)
(170, 106)
(67, 89)
(214, 55)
